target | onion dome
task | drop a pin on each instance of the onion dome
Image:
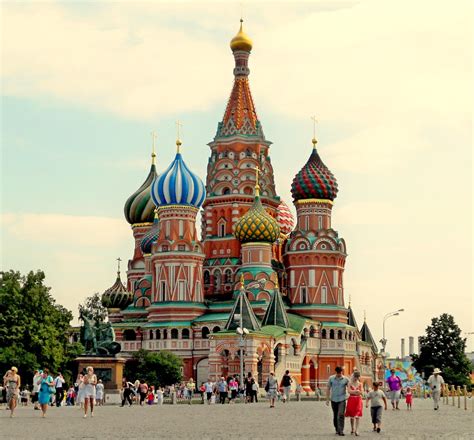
(256, 225)
(117, 296)
(151, 236)
(139, 207)
(241, 41)
(285, 218)
(178, 185)
(314, 181)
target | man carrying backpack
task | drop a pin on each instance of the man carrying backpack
(285, 384)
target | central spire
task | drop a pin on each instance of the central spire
(240, 117)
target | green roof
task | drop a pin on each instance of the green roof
(167, 324)
(276, 312)
(273, 330)
(209, 317)
(336, 324)
(242, 306)
(297, 322)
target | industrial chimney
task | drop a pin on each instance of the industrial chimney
(411, 345)
(402, 351)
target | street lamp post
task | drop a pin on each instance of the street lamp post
(383, 341)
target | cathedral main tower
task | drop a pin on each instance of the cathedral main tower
(238, 148)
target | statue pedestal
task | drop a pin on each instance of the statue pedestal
(107, 368)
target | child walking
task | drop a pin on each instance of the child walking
(409, 398)
(376, 397)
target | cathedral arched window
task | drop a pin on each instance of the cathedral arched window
(324, 295)
(228, 276)
(158, 334)
(216, 329)
(205, 332)
(324, 333)
(207, 277)
(185, 333)
(217, 280)
(331, 334)
(312, 332)
(339, 334)
(174, 333)
(151, 334)
(129, 335)
(226, 191)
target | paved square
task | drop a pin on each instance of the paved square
(297, 420)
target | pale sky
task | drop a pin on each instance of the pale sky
(390, 82)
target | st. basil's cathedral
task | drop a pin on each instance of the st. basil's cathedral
(254, 267)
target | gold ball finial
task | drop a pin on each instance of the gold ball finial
(241, 41)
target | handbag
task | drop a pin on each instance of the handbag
(267, 386)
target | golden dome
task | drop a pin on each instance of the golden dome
(241, 41)
(257, 225)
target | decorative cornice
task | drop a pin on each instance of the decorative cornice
(319, 201)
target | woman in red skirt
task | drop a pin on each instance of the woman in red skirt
(354, 403)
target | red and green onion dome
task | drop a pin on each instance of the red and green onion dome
(256, 225)
(314, 181)
(285, 218)
(117, 296)
(151, 236)
(139, 208)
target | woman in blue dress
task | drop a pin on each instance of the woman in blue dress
(45, 382)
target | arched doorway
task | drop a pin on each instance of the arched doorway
(202, 371)
(312, 375)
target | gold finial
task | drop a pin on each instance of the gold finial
(118, 265)
(257, 185)
(178, 140)
(314, 140)
(242, 282)
(153, 154)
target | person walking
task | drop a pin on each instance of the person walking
(12, 382)
(142, 391)
(209, 390)
(271, 388)
(394, 385)
(80, 389)
(46, 389)
(59, 384)
(159, 396)
(336, 393)
(35, 389)
(222, 388)
(127, 392)
(286, 382)
(99, 393)
(233, 387)
(190, 388)
(90, 381)
(376, 397)
(248, 383)
(435, 382)
(354, 403)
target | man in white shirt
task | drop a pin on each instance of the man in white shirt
(35, 389)
(436, 381)
(58, 384)
(209, 389)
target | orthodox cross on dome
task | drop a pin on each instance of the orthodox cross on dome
(118, 264)
(314, 140)
(153, 139)
(257, 185)
(179, 125)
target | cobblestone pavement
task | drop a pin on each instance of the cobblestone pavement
(297, 420)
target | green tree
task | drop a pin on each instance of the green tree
(92, 308)
(159, 369)
(442, 347)
(33, 328)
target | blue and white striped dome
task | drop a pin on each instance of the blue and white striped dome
(178, 186)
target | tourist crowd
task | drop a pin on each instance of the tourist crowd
(345, 395)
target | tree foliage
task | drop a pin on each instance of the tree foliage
(33, 328)
(442, 347)
(92, 308)
(159, 369)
